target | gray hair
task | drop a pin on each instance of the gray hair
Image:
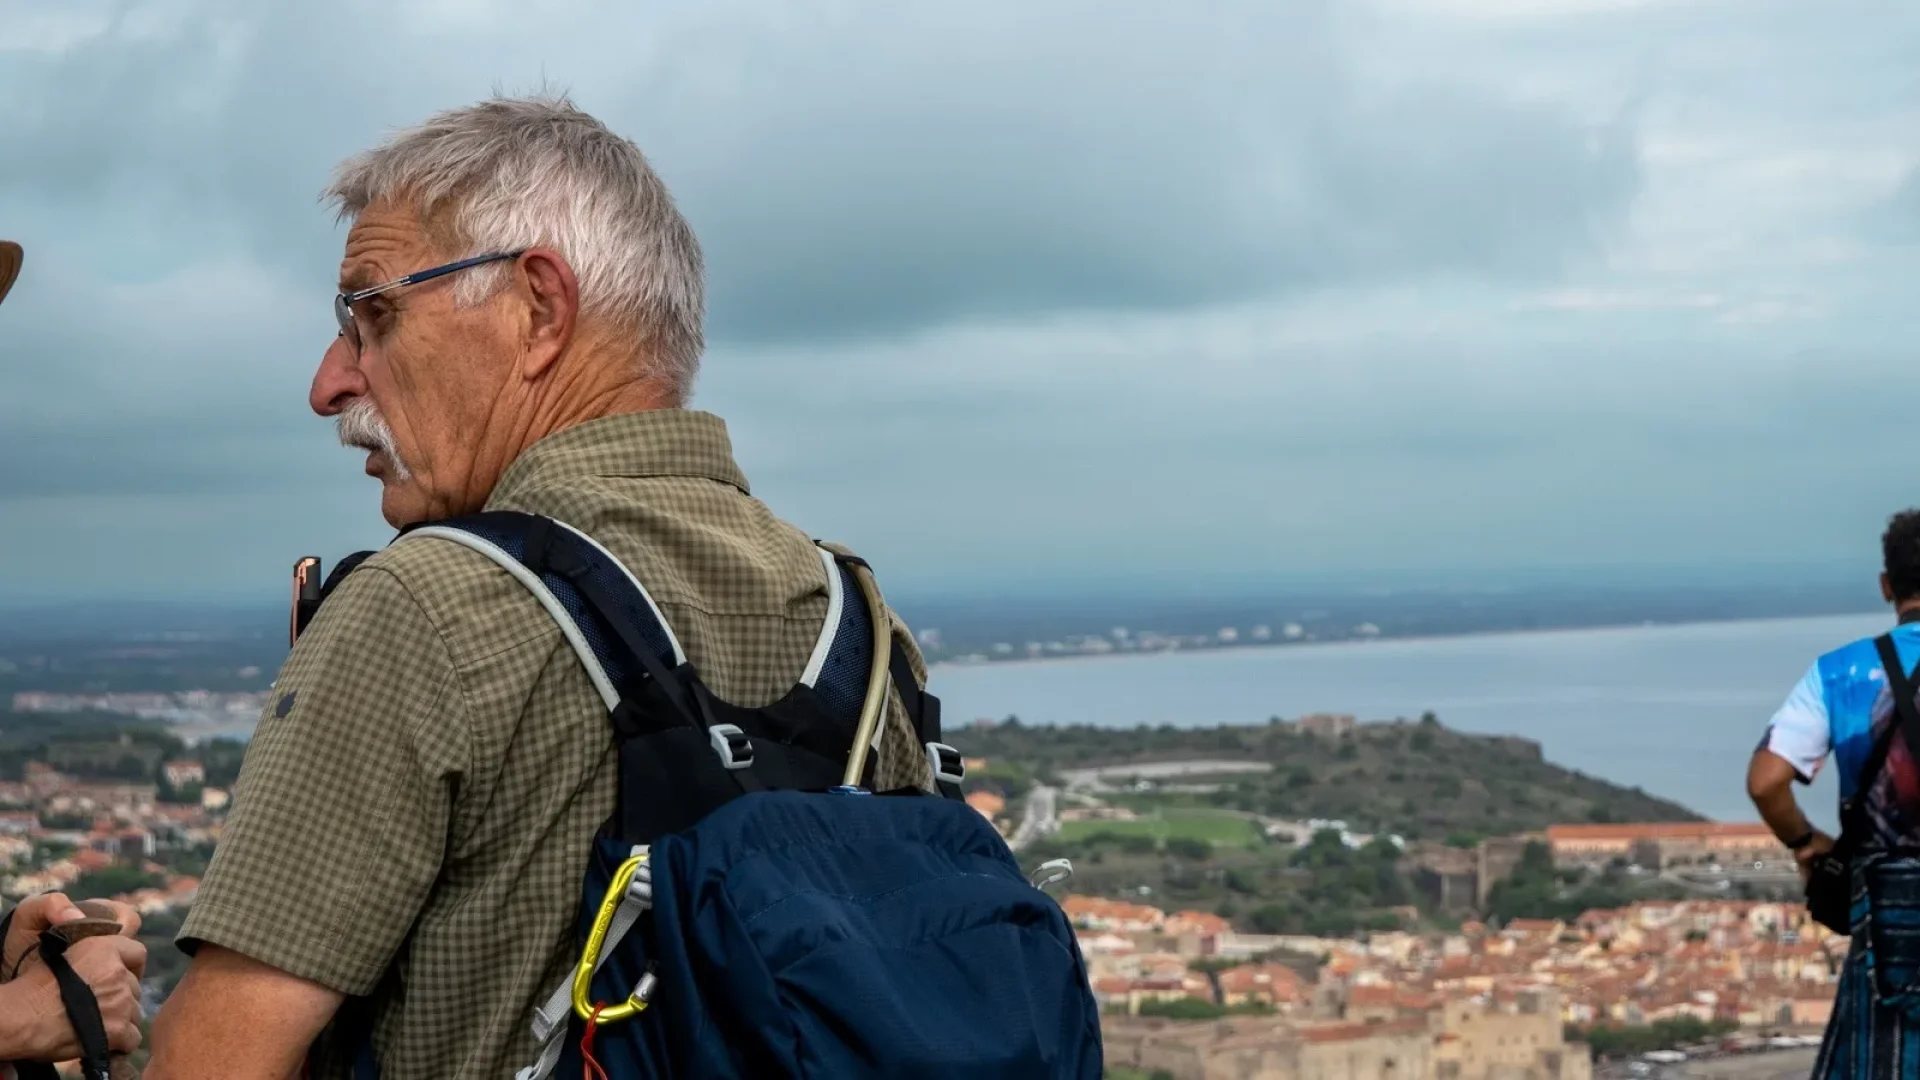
(512, 173)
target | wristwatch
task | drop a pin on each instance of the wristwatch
(1799, 842)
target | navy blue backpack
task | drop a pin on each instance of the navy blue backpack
(752, 911)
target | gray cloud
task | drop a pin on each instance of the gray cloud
(883, 169)
(1022, 292)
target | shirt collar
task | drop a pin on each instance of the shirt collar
(657, 442)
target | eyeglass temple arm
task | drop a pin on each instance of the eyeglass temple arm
(428, 275)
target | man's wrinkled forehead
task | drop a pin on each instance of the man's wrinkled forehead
(385, 241)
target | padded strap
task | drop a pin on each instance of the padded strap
(624, 642)
(844, 653)
(560, 565)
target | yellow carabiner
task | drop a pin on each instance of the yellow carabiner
(590, 956)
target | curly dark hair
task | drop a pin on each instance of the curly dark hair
(1900, 547)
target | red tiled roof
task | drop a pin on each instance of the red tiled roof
(1678, 830)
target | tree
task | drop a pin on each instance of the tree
(1607, 1041)
(1273, 919)
(1326, 849)
(111, 881)
(1183, 1009)
(1187, 847)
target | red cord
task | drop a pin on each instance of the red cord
(586, 1049)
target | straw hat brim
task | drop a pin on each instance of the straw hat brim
(10, 259)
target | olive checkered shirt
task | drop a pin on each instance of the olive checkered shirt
(415, 811)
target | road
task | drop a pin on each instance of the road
(1040, 819)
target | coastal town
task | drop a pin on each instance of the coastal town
(1187, 994)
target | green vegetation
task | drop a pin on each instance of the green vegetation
(112, 881)
(1206, 827)
(221, 758)
(1010, 779)
(1196, 1009)
(1416, 779)
(97, 746)
(1607, 1041)
(1535, 890)
(106, 747)
(1321, 889)
(1197, 843)
(165, 963)
(189, 862)
(1342, 892)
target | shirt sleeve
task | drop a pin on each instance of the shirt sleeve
(1800, 732)
(342, 806)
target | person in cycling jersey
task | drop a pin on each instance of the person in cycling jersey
(1842, 707)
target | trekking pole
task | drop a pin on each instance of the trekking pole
(876, 676)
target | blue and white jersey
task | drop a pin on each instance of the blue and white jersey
(1841, 706)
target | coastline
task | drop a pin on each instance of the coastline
(1375, 642)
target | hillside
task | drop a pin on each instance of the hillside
(1418, 779)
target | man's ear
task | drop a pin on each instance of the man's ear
(552, 294)
(1886, 589)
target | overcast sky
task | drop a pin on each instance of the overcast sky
(1008, 291)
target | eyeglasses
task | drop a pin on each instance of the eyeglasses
(343, 302)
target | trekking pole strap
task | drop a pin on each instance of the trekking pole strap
(83, 1011)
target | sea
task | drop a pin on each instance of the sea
(1675, 710)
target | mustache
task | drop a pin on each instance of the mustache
(361, 425)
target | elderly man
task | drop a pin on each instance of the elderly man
(33, 1021)
(521, 319)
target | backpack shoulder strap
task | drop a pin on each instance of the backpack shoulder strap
(623, 640)
(923, 709)
(606, 614)
(1905, 722)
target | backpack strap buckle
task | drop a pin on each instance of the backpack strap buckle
(948, 766)
(732, 746)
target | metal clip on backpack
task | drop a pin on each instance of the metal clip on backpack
(753, 908)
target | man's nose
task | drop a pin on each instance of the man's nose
(338, 380)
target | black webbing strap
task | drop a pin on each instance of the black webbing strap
(924, 710)
(83, 1012)
(566, 559)
(1906, 720)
